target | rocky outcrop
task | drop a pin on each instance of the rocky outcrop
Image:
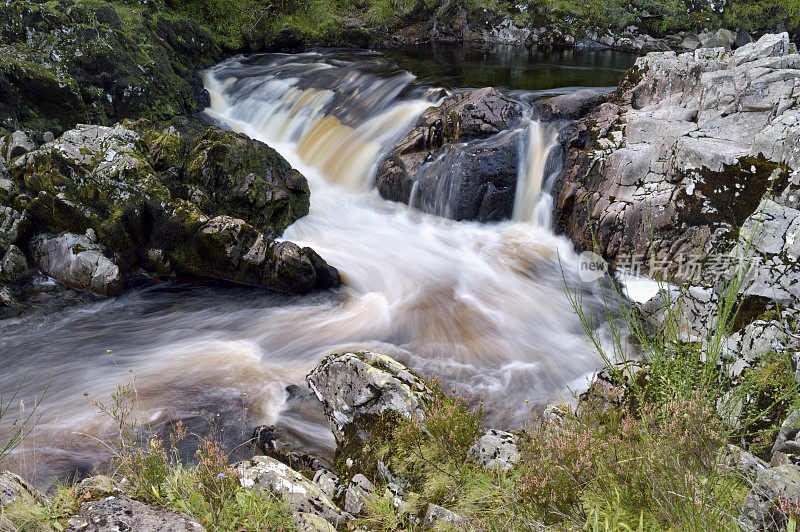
(665, 174)
(154, 201)
(356, 388)
(474, 182)
(116, 513)
(303, 495)
(68, 63)
(13, 489)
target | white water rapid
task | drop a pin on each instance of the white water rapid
(481, 306)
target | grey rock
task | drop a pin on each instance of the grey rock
(13, 488)
(116, 513)
(13, 265)
(569, 106)
(359, 491)
(328, 482)
(496, 449)
(760, 509)
(353, 387)
(308, 522)
(665, 174)
(789, 432)
(744, 463)
(19, 144)
(80, 263)
(721, 38)
(436, 514)
(264, 473)
(48, 136)
(13, 227)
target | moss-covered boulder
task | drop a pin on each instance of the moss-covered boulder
(159, 201)
(67, 62)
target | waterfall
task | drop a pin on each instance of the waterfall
(540, 162)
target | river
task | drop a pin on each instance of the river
(481, 306)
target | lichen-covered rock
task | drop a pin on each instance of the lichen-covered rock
(79, 262)
(786, 449)
(354, 388)
(476, 182)
(308, 522)
(760, 509)
(268, 474)
(116, 513)
(744, 463)
(17, 144)
(496, 449)
(208, 204)
(663, 175)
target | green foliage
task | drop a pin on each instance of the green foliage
(763, 15)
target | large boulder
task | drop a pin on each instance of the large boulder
(79, 262)
(116, 513)
(472, 182)
(154, 200)
(661, 178)
(357, 388)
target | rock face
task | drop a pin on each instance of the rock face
(760, 510)
(681, 157)
(116, 513)
(472, 182)
(303, 495)
(68, 63)
(152, 200)
(356, 387)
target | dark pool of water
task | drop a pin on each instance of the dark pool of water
(512, 67)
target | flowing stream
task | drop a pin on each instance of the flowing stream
(481, 306)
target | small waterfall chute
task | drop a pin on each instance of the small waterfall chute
(537, 166)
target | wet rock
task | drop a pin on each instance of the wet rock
(744, 463)
(664, 175)
(267, 474)
(496, 449)
(359, 491)
(247, 179)
(115, 513)
(472, 183)
(354, 388)
(80, 263)
(760, 509)
(274, 442)
(569, 106)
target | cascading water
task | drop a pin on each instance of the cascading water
(533, 202)
(480, 306)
